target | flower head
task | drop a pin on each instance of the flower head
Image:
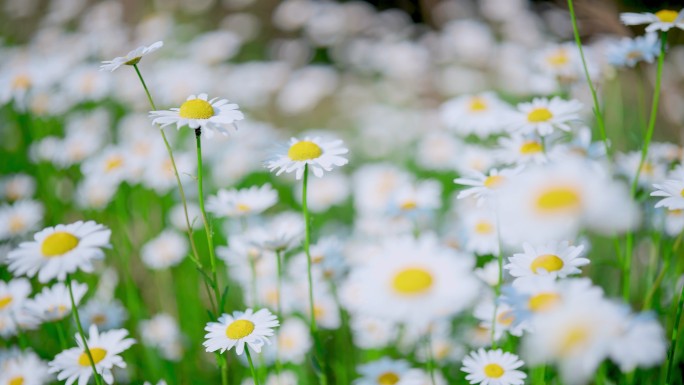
(663, 20)
(197, 112)
(132, 58)
(239, 329)
(318, 154)
(493, 367)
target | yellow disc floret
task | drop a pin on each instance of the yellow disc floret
(539, 115)
(412, 280)
(575, 337)
(196, 109)
(239, 329)
(493, 370)
(388, 378)
(304, 150)
(5, 301)
(667, 15)
(97, 353)
(493, 181)
(543, 301)
(58, 243)
(558, 199)
(19, 380)
(477, 104)
(548, 262)
(531, 147)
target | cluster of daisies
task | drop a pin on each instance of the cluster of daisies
(467, 257)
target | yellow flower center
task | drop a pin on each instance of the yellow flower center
(243, 208)
(5, 301)
(477, 104)
(97, 353)
(16, 224)
(408, 205)
(99, 319)
(682, 193)
(304, 150)
(558, 58)
(113, 163)
(538, 115)
(575, 336)
(635, 55)
(543, 301)
(484, 228)
(196, 109)
(531, 147)
(319, 311)
(59, 309)
(493, 181)
(21, 82)
(548, 262)
(239, 329)
(505, 318)
(58, 243)
(17, 381)
(388, 378)
(558, 199)
(412, 281)
(666, 15)
(493, 370)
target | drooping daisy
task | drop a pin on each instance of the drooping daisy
(239, 329)
(53, 303)
(132, 58)
(628, 52)
(197, 112)
(24, 368)
(544, 116)
(165, 250)
(557, 259)
(105, 349)
(19, 218)
(493, 367)
(386, 371)
(239, 203)
(60, 250)
(673, 192)
(663, 20)
(318, 154)
(484, 186)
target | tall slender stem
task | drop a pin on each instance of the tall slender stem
(279, 308)
(251, 366)
(74, 311)
(674, 339)
(597, 107)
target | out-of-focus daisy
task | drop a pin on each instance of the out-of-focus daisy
(281, 232)
(484, 186)
(318, 154)
(105, 314)
(132, 58)
(165, 250)
(197, 112)
(24, 368)
(285, 377)
(558, 259)
(112, 165)
(13, 299)
(628, 52)
(652, 171)
(53, 303)
(503, 319)
(493, 367)
(415, 198)
(480, 233)
(544, 116)
(641, 343)
(163, 333)
(325, 192)
(489, 273)
(372, 332)
(521, 149)
(673, 192)
(293, 342)
(387, 371)
(562, 61)
(17, 187)
(475, 114)
(663, 20)
(60, 250)
(19, 218)
(239, 329)
(105, 349)
(239, 203)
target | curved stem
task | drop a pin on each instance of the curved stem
(74, 311)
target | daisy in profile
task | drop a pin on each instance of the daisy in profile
(105, 348)
(53, 303)
(163, 333)
(628, 52)
(317, 154)
(132, 58)
(199, 113)
(244, 202)
(672, 191)
(60, 250)
(387, 371)
(544, 116)
(239, 329)
(557, 259)
(493, 367)
(663, 20)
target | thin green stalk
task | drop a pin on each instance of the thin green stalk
(497, 288)
(430, 359)
(597, 107)
(279, 309)
(674, 339)
(251, 367)
(59, 328)
(74, 311)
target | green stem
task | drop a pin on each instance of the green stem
(74, 311)
(430, 359)
(597, 108)
(59, 327)
(497, 288)
(251, 366)
(674, 339)
(279, 309)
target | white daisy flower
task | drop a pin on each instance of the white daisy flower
(17, 186)
(165, 250)
(557, 259)
(132, 58)
(319, 155)
(60, 250)
(199, 113)
(372, 332)
(105, 314)
(105, 349)
(24, 368)
(484, 186)
(244, 202)
(480, 231)
(415, 198)
(19, 218)
(521, 149)
(13, 315)
(663, 20)
(493, 367)
(239, 329)
(293, 342)
(673, 192)
(53, 303)
(628, 52)
(544, 116)
(642, 343)
(162, 332)
(503, 319)
(388, 371)
(475, 114)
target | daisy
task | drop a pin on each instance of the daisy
(293, 342)
(239, 203)
(24, 368)
(105, 349)
(484, 186)
(132, 58)
(475, 114)
(557, 259)
(13, 299)
(105, 314)
(199, 113)
(319, 155)
(19, 218)
(673, 192)
(521, 149)
(493, 367)
(388, 371)
(642, 343)
(544, 116)
(60, 250)
(663, 20)
(166, 250)
(17, 187)
(479, 227)
(53, 303)
(239, 329)
(162, 332)
(372, 332)
(628, 52)
(413, 199)
(503, 319)
(322, 193)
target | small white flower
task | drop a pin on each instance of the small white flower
(388, 371)
(53, 303)
(484, 186)
(166, 250)
(239, 329)
(23, 368)
(493, 367)
(557, 259)
(663, 20)
(673, 192)
(239, 203)
(545, 115)
(197, 112)
(318, 155)
(19, 218)
(132, 58)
